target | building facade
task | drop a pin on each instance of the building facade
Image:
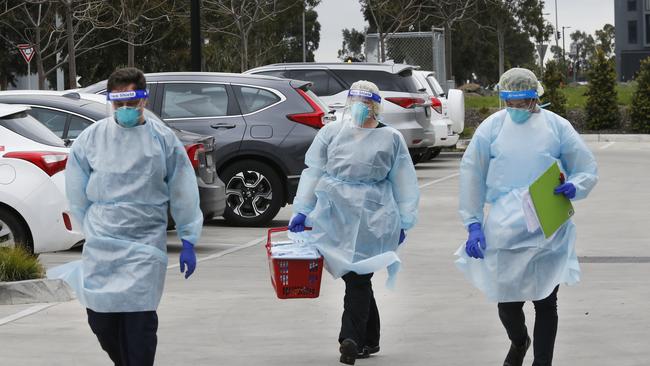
(632, 20)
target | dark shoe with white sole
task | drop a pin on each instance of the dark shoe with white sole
(516, 354)
(366, 351)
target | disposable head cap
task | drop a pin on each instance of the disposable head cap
(368, 91)
(518, 83)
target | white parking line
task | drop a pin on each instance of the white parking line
(440, 180)
(228, 251)
(27, 312)
(607, 145)
(37, 308)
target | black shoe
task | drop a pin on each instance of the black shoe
(348, 351)
(366, 351)
(516, 354)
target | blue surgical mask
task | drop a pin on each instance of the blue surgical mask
(360, 112)
(128, 116)
(519, 115)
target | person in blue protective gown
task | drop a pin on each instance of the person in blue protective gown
(360, 195)
(123, 174)
(511, 265)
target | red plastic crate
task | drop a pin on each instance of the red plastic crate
(294, 278)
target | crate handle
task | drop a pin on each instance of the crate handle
(278, 230)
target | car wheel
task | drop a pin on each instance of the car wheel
(416, 158)
(14, 232)
(254, 193)
(435, 152)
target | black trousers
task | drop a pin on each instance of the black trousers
(360, 321)
(546, 319)
(129, 338)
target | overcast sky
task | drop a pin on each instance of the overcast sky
(335, 15)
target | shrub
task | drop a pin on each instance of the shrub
(18, 265)
(553, 80)
(602, 107)
(640, 109)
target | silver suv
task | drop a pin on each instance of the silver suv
(406, 108)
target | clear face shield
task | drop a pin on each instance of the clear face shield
(520, 104)
(361, 106)
(523, 99)
(127, 106)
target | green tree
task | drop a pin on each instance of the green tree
(640, 108)
(476, 46)
(605, 38)
(352, 47)
(602, 107)
(11, 62)
(553, 81)
(585, 46)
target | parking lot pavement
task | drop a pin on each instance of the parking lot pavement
(227, 314)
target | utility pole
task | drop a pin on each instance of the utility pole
(196, 44)
(563, 54)
(304, 45)
(563, 42)
(556, 28)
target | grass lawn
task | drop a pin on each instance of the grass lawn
(575, 97)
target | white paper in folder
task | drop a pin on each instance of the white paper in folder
(532, 222)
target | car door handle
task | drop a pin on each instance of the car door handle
(227, 126)
(336, 105)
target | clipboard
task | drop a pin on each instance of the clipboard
(552, 210)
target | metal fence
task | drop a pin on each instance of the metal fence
(424, 49)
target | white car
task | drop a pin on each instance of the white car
(33, 207)
(448, 116)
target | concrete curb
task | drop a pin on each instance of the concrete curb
(615, 138)
(34, 291)
(462, 144)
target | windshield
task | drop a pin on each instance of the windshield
(435, 85)
(29, 127)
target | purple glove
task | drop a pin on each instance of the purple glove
(297, 223)
(188, 258)
(567, 189)
(402, 236)
(475, 244)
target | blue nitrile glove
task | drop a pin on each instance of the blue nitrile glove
(567, 189)
(188, 258)
(297, 223)
(476, 242)
(402, 236)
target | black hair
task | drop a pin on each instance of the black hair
(126, 76)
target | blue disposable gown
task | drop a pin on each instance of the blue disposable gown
(120, 183)
(500, 163)
(359, 190)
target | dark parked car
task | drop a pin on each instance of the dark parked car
(262, 126)
(69, 114)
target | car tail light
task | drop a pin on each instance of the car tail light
(406, 102)
(67, 222)
(50, 162)
(312, 119)
(193, 152)
(436, 104)
(417, 141)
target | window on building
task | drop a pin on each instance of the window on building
(647, 29)
(631, 5)
(631, 32)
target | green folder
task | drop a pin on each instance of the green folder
(553, 210)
